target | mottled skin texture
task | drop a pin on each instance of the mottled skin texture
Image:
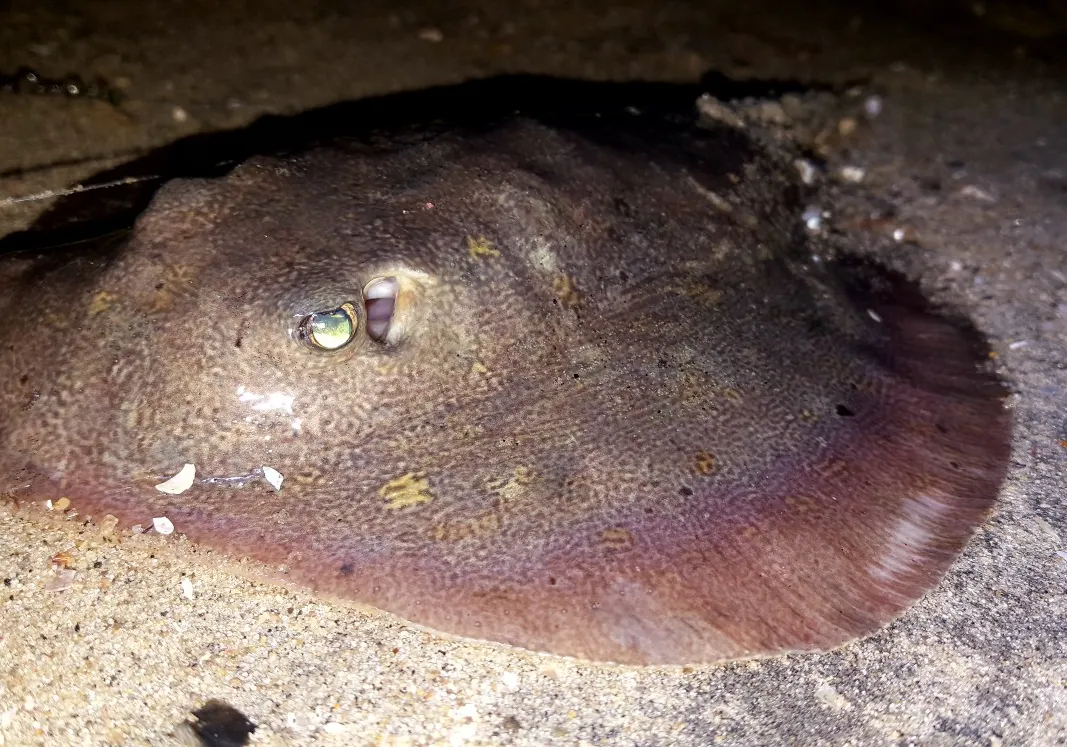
(625, 421)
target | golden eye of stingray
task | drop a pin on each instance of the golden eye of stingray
(330, 330)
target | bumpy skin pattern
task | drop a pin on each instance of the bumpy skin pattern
(626, 420)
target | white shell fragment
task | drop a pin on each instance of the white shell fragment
(180, 482)
(814, 218)
(273, 476)
(806, 169)
(267, 402)
(977, 193)
(187, 588)
(872, 107)
(853, 174)
(163, 525)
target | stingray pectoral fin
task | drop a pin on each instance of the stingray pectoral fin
(835, 541)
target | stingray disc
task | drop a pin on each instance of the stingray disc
(574, 389)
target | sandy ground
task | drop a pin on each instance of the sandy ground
(967, 159)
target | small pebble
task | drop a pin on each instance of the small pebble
(63, 559)
(770, 112)
(846, 126)
(61, 580)
(108, 525)
(813, 219)
(806, 169)
(431, 35)
(831, 697)
(872, 107)
(853, 174)
(977, 193)
(715, 110)
(163, 525)
(905, 235)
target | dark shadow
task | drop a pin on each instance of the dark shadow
(112, 199)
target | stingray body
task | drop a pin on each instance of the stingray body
(575, 389)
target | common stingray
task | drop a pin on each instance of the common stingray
(578, 387)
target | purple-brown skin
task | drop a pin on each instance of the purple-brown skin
(621, 417)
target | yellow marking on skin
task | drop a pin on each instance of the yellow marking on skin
(733, 395)
(833, 468)
(480, 247)
(616, 538)
(174, 276)
(706, 463)
(749, 532)
(139, 476)
(307, 476)
(566, 291)
(802, 504)
(513, 485)
(865, 385)
(692, 387)
(706, 294)
(101, 302)
(411, 489)
(489, 522)
(808, 416)
(479, 368)
(925, 484)
(58, 321)
(691, 559)
(465, 430)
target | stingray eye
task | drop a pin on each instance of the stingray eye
(330, 330)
